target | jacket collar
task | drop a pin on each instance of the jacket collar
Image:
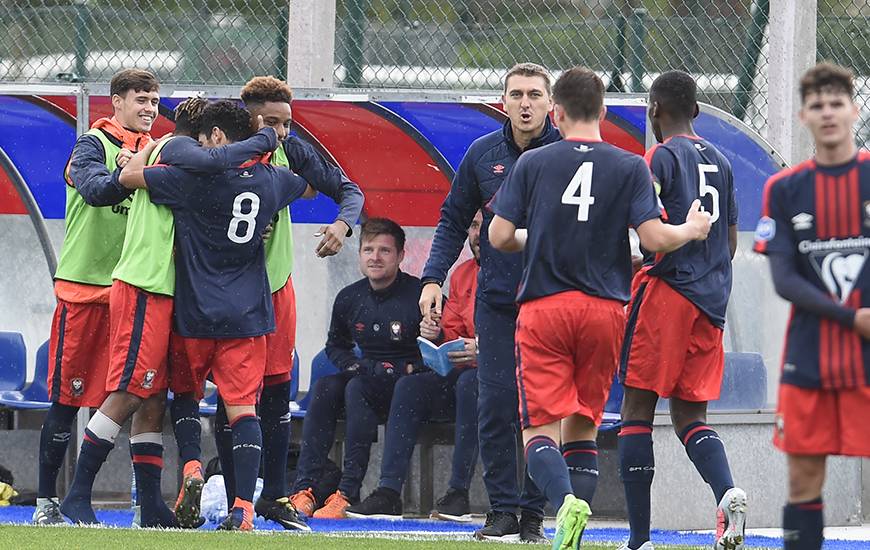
(549, 134)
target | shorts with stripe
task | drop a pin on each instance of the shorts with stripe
(567, 351)
(281, 343)
(671, 347)
(78, 354)
(140, 325)
(817, 421)
(235, 364)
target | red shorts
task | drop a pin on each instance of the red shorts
(140, 325)
(236, 365)
(281, 343)
(672, 347)
(78, 354)
(823, 422)
(181, 376)
(567, 349)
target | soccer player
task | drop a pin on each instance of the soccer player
(430, 395)
(144, 282)
(816, 234)
(270, 99)
(673, 344)
(379, 314)
(223, 308)
(577, 197)
(141, 308)
(487, 162)
(96, 219)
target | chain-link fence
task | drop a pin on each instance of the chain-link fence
(182, 41)
(446, 44)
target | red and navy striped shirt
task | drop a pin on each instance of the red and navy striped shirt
(820, 215)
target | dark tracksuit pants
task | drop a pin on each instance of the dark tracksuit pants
(498, 410)
(365, 400)
(425, 396)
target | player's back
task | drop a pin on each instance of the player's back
(581, 197)
(222, 290)
(686, 168)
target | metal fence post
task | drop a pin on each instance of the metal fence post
(749, 63)
(281, 41)
(792, 51)
(616, 83)
(356, 25)
(82, 38)
(636, 48)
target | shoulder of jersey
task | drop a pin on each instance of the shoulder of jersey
(791, 171)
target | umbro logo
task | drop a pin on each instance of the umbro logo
(246, 174)
(700, 147)
(498, 169)
(583, 148)
(802, 221)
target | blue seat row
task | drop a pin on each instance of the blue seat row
(34, 396)
(13, 361)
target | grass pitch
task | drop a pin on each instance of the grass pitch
(20, 536)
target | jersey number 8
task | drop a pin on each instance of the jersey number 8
(249, 218)
(582, 180)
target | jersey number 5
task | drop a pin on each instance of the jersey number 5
(704, 189)
(249, 218)
(582, 180)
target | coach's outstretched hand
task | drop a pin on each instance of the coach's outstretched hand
(430, 301)
(698, 221)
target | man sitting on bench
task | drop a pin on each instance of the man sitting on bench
(378, 313)
(430, 396)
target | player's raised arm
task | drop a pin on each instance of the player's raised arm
(656, 236)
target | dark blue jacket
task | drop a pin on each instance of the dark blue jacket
(325, 178)
(383, 323)
(481, 172)
(88, 172)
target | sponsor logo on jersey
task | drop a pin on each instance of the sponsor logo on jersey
(765, 230)
(246, 174)
(498, 169)
(583, 148)
(840, 269)
(360, 327)
(700, 147)
(802, 221)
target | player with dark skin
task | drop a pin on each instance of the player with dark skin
(640, 404)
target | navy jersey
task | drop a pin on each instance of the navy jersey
(221, 288)
(483, 169)
(687, 168)
(577, 199)
(820, 217)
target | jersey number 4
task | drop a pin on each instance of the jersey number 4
(249, 218)
(582, 180)
(704, 189)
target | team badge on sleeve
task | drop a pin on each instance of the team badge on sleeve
(766, 229)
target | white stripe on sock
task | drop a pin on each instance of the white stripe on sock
(147, 437)
(104, 427)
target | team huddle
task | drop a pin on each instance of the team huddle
(193, 280)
